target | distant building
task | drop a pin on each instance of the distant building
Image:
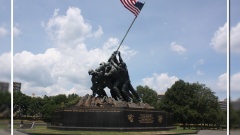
(160, 96)
(4, 86)
(16, 86)
(223, 105)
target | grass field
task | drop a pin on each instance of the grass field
(2, 126)
(4, 123)
(44, 130)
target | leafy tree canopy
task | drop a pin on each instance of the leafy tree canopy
(192, 103)
(148, 95)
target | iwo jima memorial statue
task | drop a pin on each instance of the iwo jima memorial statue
(118, 112)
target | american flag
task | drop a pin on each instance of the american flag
(133, 5)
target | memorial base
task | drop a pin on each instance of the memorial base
(94, 113)
(109, 118)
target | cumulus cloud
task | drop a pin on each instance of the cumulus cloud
(64, 67)
(177, 48)
(5, 66)
(70, 28)
(3, 31)
(197, 65)
(97, 33)
(235, 82)
(160, 82)
(36, 69)
(16, 31)
(222, 82)
(219, 40)
(234, 39)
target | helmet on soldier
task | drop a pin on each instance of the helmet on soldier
(90, 72)
(102, 63)
(123, 65)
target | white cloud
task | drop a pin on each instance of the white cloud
(160, 82)
(56, 12)
(235, 82)
(64, 69)
(60, 71)
(70, 28)
(16, 31)
(3, 31)
(36, 68)
(97, 33)
(222, 82)
(177, 48)
(197, 65)
(5, 66)
(219, 40)
(199, 72)
(234, 39)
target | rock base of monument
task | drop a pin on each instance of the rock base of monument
(124, 116)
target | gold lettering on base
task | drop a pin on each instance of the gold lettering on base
(146, 118)
(130, 117)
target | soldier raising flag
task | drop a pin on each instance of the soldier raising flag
(114, 74)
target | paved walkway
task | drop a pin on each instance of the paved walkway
(211, 132)
(201, 132)
(4, 132)
(15, 132)
(234, 132)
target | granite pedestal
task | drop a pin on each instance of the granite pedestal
(117, 116)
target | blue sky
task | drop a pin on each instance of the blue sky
(57, 41)
(5, 40)
(234, 49)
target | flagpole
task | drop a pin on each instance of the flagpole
(127, 33)
(128, 30)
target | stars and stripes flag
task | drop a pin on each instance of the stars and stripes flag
(133, 5)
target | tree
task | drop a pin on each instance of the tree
(20, 103)
(61, 98)
(5, 99)
(47, 109)
(5, 104)
(24, 105)
(35, 106)
(148, 95)
(234, 117)
(52, 103)
(192, 103)
(179, 100)
(72, 99)
(208, 106)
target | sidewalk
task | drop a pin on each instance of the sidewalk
(211, 132)
(15, 132)
(4, 132)
(234, 132)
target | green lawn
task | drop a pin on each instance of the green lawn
(4, 123)
(44, 130)
(2, 126)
